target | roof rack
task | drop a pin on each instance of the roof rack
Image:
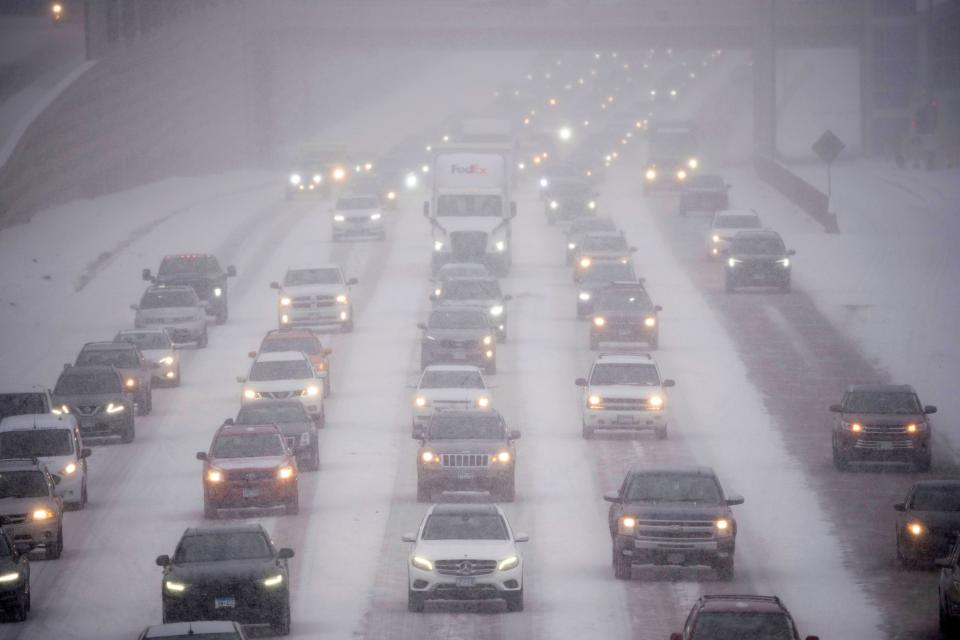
(734, 596)
(648, 356)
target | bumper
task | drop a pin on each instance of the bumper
(422, 417)
(867, 448)
(624, 334)
(11, 595)
(676, 553)
(252, 605)
(465, 478)
(359, 228)
(288, 318)
(625, 420)
(39, 534)
(241, 495)
(436, 586)
(925, 549)
(758, 277)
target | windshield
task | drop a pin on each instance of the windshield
(120, 358)
(758, 246)
(936, 498)
(18, 404)
(174, 266)
(360, 202)
(460, 319)
(744, 221)
(903, 402)
(281, 370)
(604, 243)
(87, 384)
(465, 526)
(145, 339)
(471, 290)
(609, 272)
(251, 445)
(269, 412)
(305, 344)
(469, 205)
(644, 375)
(673, 487)
(36, 443)
(166, 299)
(635, 300)
(312, 276)
(736, 625)
(451, 379)
(214, 546)
(23, 484)
(481, 427)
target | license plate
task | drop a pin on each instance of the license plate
(676, 558)
(251, 493)
(466, 582)
(624, 333)
(625, 419)
(225, 602)
(465, 475)
(886, 446)
(459, 354)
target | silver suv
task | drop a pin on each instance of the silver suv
(30, 511)
(177, 308)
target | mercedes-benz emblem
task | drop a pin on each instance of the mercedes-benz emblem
(465, 568)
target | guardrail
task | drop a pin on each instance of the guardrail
(800, 192)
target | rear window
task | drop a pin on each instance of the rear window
(304, 344)
(120, 358)
(183, 265)
(742, 625)
(299, 277)
(36, 443)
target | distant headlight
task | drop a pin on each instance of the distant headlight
(681, 175)
(483, 402)
(584, 296)
(592, 205)
(273, 581)
(70, 469)
(585, 263)
(339, 174)
(437, 245)
(421, 563)
(339, 217)
(411, 181)
(166, 360)
(295, 179)
(285, 473)
(374, 216)
(784, 262)
(285, 301)
(693, 163)
(599, 321)
(571, 246)
(716, 237)
(341, 299)
(509, 563)
(651, 175)
(312, 390)
(130, 383)
(650, 322)
(391, 195)
(114, 408)
(500, 245)
(732, 262)
(544, 183)
(317, 178)
(554, 204)
(496, 310)
(217, 292)
(487, 340)
(249, 394)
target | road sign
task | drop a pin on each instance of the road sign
(828, 146)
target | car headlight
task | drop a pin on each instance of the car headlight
(584, 296)
(651, 175)
(488, 340)
(214, 475)
(650, 322)
(421, 563)
(496, 310)
(595, 402)
(544, 183)
(175, 586)
(914, 427)
(654, 402)
(391, 195)
(70, 469)
(502, 457)
(554, 204)
(627, 525)
(114, 408)
(437, 245)
(732, 262)
(312, 390)
(916, 529)
(342, 299)
(285, 301)
(585, 263)
(855, 427)
(723, 526)
(483, 402)
(217, 292)
(682, 174)
(785, 262)
(42, 514)
(571, 246)
(249, 394)
(599, 321)
(339, 217)
(500, 245)
(429, 457)
(273, 581)
(130, 383)
(339, 174)
(166, 360)
(13, 576)
(715, 238)
(62, 409)
(509, 563)
(374, 216)
(295, 179)
(693, 163)
(421, 401)
(591, 205)
(411, 180)
(285, 473)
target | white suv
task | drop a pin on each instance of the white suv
(317, 295)
(727, 224)
(625, 392)
(448, 388)
(465, 552)
(358, 215)
(281, 375)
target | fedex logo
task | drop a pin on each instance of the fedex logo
(474, 169)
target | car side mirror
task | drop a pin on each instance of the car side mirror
(251, 354)
(668, 383)
(507, 298)
(813, 638)
(521, 537)
(163, 561)
(899, 506)
(734, 499)
(135, 307)
(241, 379)
(146, 275)
(791, 252)
(228, 421)
(580, 382)
(929, 409)
(422, 326)
(514, 434)
(657, 308)
(231, 271)
(943, 563)
(274, 285)
(426, 209)
(327, 352)
(285, 553)
(836, 408)
(85, 453)
(613, 496)
(202, 455)
(352, 281)
(408, 537)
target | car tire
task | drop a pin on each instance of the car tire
(281, 625)
(129, 434)
(327, 387)
(840, 460)
(587, 431)
(724, 568)
(923, 461)
(202, 342)
(514, 600)
(507, 491)
(292, 507)
(83, 494)
(622, 565)
(415, 601)
(149, 399)
(424, 493)
(54, 552)
(948, 626)
(19, 611)
(222, 315)
(176, 381)
(314, 454)
(321, 420)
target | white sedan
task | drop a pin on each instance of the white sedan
(727, 224)
(448, 388)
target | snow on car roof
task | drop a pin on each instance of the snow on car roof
(281, 356)
(625, 358)
(451, 367)
(37, 421)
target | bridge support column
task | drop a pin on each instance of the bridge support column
(765, 79)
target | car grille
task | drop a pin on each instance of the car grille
(86, 409)
(243, 475)
(459, 344)
(678, 530)
(278, 395)
(465, 567)
(12, 518)
(624, 404)
(464, 459)
(468, 244)
(452, 405)
(313, 302)
(885, 436)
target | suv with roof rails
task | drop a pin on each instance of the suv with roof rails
(570, 198)
(600, 246)
(31, 512)
(55, 441)
(624, 392)
(125, 357)
(17, 401)
(458, 336)
(280, 375)
(202, 273)
(623, 312)
(448, 387)
(298, 428)
(672, 515)
(97, 398)
(315, 296)
(303, 339)
(744, 617)
(357, 214)
(758, 259)
(176, 309)
(882, 422)
(598, 277)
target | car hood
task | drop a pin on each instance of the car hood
(469, 223)
(451, 394)
(624, 391)
(891, 419)
(225, 570)
(315, 289)
(55, 464)
(357, 213)
(465, 549)
(92, 399)
(468, 302)
(758, 257)
(466, 446)
(281, 385)
(154, 355)
(294, 428)
(674, 510)
(171, 312)
(25, 505)
(725, 234)
(457, 334)
(234, 464)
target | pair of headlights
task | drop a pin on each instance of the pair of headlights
(425, 564)
(175, 586)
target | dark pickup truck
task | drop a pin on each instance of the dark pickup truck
(201, 271)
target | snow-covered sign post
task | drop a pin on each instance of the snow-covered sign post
(827, 147)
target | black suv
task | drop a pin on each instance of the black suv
(758, 259)
(14, 578)
(882, 422)
(623, 312)
(458, 336)
(467, 450)
(227, 573)
(202, 272)
(928, 521)
(744, 617)
(672, 516)
(599, 276)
